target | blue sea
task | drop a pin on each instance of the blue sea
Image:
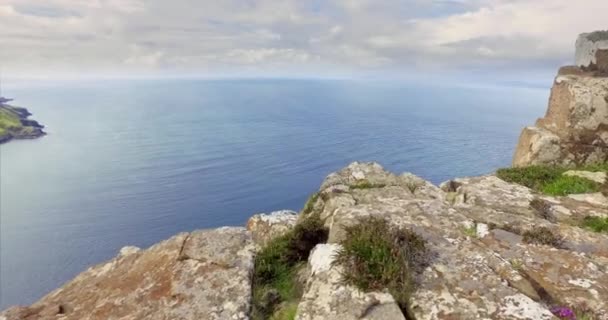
(132, 162)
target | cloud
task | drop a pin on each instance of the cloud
(269, 36)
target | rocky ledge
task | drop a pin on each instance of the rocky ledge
(481, 262)
(14, 124)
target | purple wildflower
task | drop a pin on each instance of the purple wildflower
(563, 313)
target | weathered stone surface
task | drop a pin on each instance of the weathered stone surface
(199, 275)
(591, 51)
(575, 127)
(326, 297)
(599, 177)
(265, 227)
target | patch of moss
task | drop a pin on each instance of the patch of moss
(365, 184)
(286, 311)
(470, 231)
(550, 179)
(544, 236)
(278, 263)
(596, 224)
(375, 256)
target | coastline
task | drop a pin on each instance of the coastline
(15, 124)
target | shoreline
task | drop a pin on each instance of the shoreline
(16, 125)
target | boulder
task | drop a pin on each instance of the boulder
(199, 275)
(265, 227)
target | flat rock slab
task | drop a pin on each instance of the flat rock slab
(200, 275)
(599, 177)
(265, 227)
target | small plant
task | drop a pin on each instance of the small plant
(365, 184)
(516, 264)
(543, 209)
(567, 313)
(542, 235)
(596, 224)
(277, 265)
(375, 256)
(566, 185)
(470, 231)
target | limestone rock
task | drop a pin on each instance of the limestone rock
(326, 297)
(575, 127)
(592, 51)
(599, 177)
(265, 227)
(199, 275)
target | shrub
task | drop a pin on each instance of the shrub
(375, 256)
(565, 185)
(542, 235)
(277, 265)
(543, 209)
(596, 224)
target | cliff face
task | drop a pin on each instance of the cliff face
(574, 130)
(480, 265)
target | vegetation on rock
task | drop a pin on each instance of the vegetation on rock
(275, 285)
(542, 235)
(365, 184)
(550, 179)
(596, 224)
(376, 256)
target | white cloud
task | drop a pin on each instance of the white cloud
(274, 35)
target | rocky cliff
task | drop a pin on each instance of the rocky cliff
(574, 130)
(481, 262)
(370, 244)
(14, 124)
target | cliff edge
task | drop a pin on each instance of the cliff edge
(574, 130)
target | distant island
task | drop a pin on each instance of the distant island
(14, 123)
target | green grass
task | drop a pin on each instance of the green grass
(470, 231)
(543, 236)
(375, 257)
(596, 224)
(9, 120)
(310, 203)
(565, 185)
(286, 312)
(550, 179)
(278, 263)
(365, 184)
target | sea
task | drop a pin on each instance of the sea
(135, 161)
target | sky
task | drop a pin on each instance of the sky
(291, 37)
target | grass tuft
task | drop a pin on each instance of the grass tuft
(375, 256)
(596, 224)
(365, 184)
(544, 236)
(278, 263)
(310, 203)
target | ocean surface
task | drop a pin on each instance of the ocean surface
(132, 162)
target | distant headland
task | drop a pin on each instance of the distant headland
(14, 123)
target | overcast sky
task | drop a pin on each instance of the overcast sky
(268, 37)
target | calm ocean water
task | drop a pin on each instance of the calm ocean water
(134, 162)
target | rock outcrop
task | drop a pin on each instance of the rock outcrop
(14, 124)
(574, 130)
(479, 265)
